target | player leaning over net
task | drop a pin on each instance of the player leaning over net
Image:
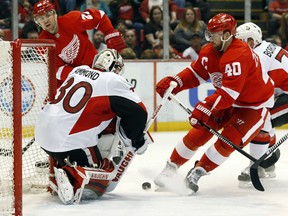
(274, 61)
(70, 128)
(238, 106)
(73, 47)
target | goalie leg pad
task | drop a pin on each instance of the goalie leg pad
(94, 179)
(65, 189)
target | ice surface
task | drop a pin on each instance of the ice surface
(218, 195)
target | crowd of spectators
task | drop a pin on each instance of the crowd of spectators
(141, 24)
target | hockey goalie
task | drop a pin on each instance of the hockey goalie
(92, 129)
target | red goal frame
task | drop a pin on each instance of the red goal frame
(17, 107)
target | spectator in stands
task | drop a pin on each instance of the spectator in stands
(148, 54)
(204, 7)
(98, 5)
(127, 10)
(30, 31)
(188, 26)
(154, 28)
(121, 26)
(284, 29)
(98, 41)
(1, 34)
(69, 5)
(276, 39)
(159, 51)
(147, 5)
(277, 9)
(24, 13)
(5, 15)
(192, 51)
(180, 3)
(128, 53)
(131, 42)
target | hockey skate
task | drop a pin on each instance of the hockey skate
(169, 171)
(270, 171)
(193, 177)
(245, 179)
(64, 187)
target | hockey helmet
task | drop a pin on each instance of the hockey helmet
(42, 7)
(222, 22)
(249, 30)
(109, 60)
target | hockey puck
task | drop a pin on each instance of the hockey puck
(146, 186)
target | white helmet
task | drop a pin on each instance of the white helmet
(109, 60)
(249, 30)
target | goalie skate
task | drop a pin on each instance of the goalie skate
(64, 187)
(193, 177)
(169, 171)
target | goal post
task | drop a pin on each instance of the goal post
(27, 81)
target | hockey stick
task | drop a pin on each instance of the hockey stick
(130, 153)
(254, 168)
(263, 163)
(9, 152)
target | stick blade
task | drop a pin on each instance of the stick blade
(255, 177)
(271, 160)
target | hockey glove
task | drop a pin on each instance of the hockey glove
(114, 40)
(201, 113)
(164, 84)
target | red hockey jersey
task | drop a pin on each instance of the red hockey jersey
(73, 47)
(236, 74)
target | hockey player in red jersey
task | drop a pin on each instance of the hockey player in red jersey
(274, 61)
(238, 106)
(73, 47)
(71, 127)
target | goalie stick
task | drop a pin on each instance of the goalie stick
(130, 153)
(254, 168)
(9, 152)
(264, 163)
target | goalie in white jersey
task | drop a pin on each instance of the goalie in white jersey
(72, 128)
(274, 61)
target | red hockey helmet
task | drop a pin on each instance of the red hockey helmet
(222, 22)
(42, 7)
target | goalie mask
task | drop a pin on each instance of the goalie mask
(249, 30)
(109, 60)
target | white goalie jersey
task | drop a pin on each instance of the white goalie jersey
(84, 106)
(274, 60)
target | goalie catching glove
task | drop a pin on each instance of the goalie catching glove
(139, 144)
(114, 40)
(164, 84)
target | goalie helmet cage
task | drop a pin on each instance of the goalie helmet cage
(27, 81)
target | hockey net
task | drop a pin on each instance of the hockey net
(25, 86)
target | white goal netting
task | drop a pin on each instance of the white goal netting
(34, 91)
